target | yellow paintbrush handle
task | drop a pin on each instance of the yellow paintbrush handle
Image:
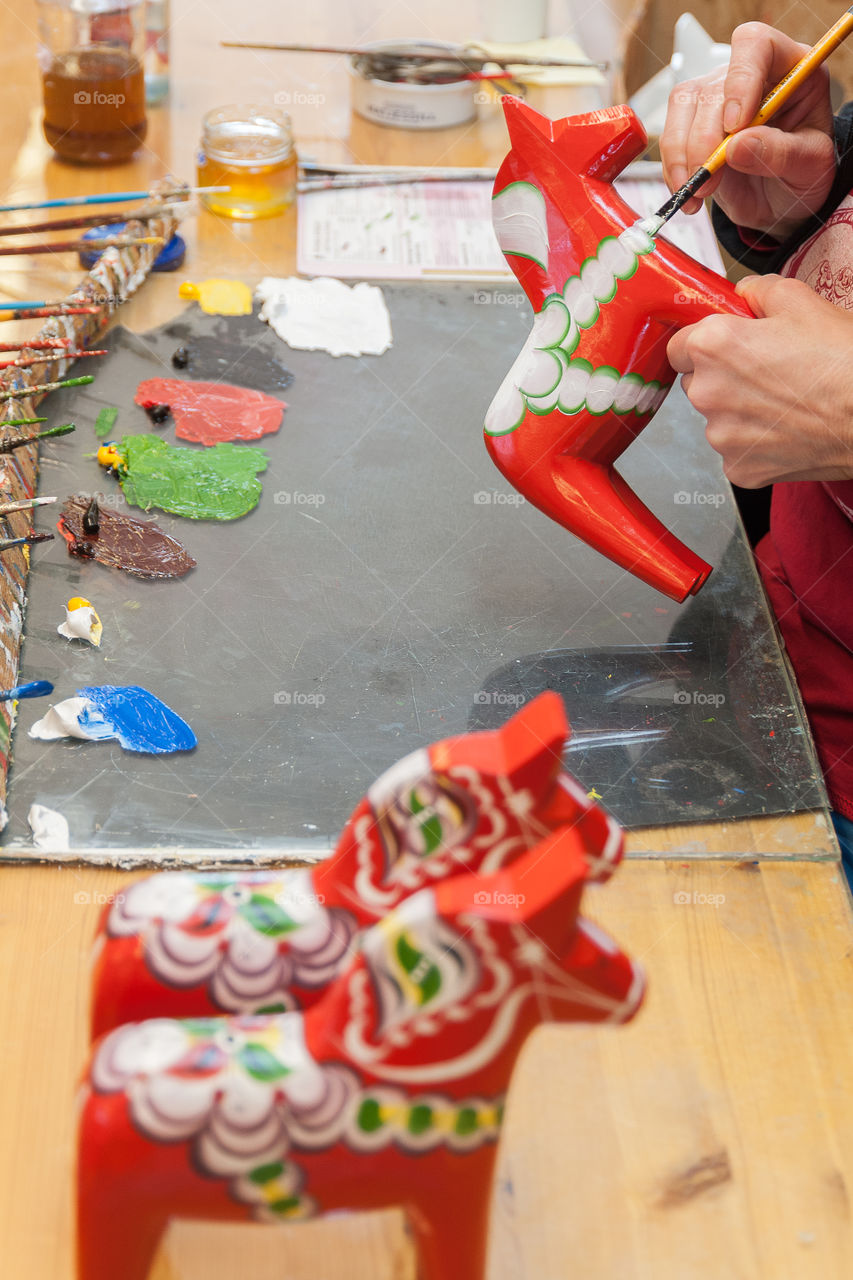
(788, 85)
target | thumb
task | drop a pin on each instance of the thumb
(793, 158)
(774, 295)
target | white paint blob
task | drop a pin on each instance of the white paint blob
(520, 220)
(326, 315)
(63, 721)
(81, 623)
(49, 828)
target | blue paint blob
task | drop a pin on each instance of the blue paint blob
(138, 719)
(35, 689)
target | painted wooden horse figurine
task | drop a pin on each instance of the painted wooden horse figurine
(388, 1091)
(593, 371)
(183, 944)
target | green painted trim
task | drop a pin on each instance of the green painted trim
(540, 410)
(602, 302)
(507, 431)
(628, 377)
(513, 253)
(549, 301)
(561, 369)
(520, 182)
(603, 368)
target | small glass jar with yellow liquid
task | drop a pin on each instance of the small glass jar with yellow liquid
(250, 150)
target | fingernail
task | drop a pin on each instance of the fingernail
(731, 116)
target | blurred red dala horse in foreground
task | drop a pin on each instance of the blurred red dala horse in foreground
(387, 1086)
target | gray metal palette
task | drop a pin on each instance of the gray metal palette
(391, 589)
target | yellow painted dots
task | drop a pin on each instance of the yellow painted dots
(109, 456)
(219, 297)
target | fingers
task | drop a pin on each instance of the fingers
(706, 343)
(761, 56)
(701, 112)
(693, 129)
(677, 351)
(772, 296)
(801, 160)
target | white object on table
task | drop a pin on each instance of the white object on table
(694, 54)
(326, 315)
(443, 231)
(430, 230)
(516, 21)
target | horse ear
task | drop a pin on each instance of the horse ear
(528, 746)
(540, 891)
(598, 144)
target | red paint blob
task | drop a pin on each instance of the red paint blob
(212, 412)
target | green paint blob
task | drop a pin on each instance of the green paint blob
(219, 483)
(369, 1118)
(466, 1121)
(266, 1173)
(420, 1118)
(105, 421)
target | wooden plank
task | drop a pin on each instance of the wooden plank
(713, 1137)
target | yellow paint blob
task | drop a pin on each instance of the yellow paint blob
(219, 297)
(81, 622)
(109, 456)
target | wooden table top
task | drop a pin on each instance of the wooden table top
(712, 1138)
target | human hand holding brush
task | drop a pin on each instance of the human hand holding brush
(776, 175)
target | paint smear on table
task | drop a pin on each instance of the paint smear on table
(326, 315)
(81, 622)
(49, 828)
(105, 421)
(219, 483)
(132, 715)
(219, 297)
(234, 351)
(212, 412)
(139, 547)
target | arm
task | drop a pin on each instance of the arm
(777, 390)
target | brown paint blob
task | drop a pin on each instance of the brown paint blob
(139, 547)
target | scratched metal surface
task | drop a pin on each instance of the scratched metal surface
(389, 590)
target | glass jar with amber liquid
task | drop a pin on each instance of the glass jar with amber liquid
(91, 58)
(249, 150)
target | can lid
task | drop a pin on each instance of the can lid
(98, 6)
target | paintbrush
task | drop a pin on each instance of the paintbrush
(33, 689)
(110, 197)
(20, 422)
(319, 168)
(36, 306)
(49, 357)
(36, 344)
(86, 220)
(347, 181)
(8, 543)
(52, 309)
(775, 99)
(25, 504)
(15, 442)
(462, 55)
(43, 387)
(78, 246)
